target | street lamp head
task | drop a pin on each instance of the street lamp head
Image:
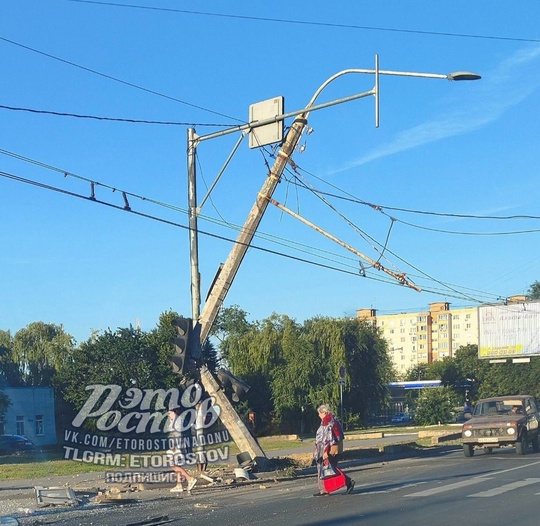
(463, 75)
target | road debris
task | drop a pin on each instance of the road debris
(55, 496)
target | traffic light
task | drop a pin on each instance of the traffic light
(194, 343)
(232, 385)
(180, 343)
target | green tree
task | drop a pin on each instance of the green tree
(294, 378)
(38, 351)
(230, 325)
(534, 291)
(123, 357)
(511, 378)
(9, 369)
(434, 406)
(294, 367)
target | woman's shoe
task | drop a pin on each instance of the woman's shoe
(350, 486)
(177, 489)
(320, 494)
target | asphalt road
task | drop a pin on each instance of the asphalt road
(438, 488)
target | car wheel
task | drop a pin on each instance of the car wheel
(468, 450)
(536, 444)
(521, 445)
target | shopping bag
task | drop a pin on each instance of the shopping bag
(336, 482)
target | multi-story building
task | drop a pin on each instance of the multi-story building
(423, 337)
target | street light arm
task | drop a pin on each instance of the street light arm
(458, 75)
(331, 79)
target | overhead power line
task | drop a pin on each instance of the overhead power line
(382, 209)
(101, 118)
(116, 79)
(449, 290)
(127, 208)
(311, 23)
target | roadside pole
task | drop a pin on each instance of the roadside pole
(342, 383)
(228, 415)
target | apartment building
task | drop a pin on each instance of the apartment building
(424, 337)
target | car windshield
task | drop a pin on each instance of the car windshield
(499, 407)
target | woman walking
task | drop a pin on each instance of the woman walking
(328, 446)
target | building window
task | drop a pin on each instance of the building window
(443, 316)
(20, 425)
(455, 326)
(40, 431)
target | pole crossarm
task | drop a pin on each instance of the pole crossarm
(399, 276)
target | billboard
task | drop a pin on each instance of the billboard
(509, 331)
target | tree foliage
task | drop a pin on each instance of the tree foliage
(534, 291)
(293, 368)
(34, 355)
(434, 406)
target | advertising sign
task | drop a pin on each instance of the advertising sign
(509, 331)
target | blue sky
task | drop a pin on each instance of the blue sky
(445, 190)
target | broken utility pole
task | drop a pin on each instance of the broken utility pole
(239, 432)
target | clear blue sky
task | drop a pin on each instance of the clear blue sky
(444, 151)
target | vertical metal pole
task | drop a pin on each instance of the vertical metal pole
(376, 91)
(341, 400)
(193, 233)
(239, 432)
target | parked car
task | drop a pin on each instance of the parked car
(502, 421)
(14, 444)
(400, 417)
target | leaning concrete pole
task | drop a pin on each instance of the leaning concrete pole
(239, 432)
(227, 274)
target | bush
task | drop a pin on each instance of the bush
(434, 406)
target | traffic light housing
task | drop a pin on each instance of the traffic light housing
(180, 344)
(233, 386)
(194, 343)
